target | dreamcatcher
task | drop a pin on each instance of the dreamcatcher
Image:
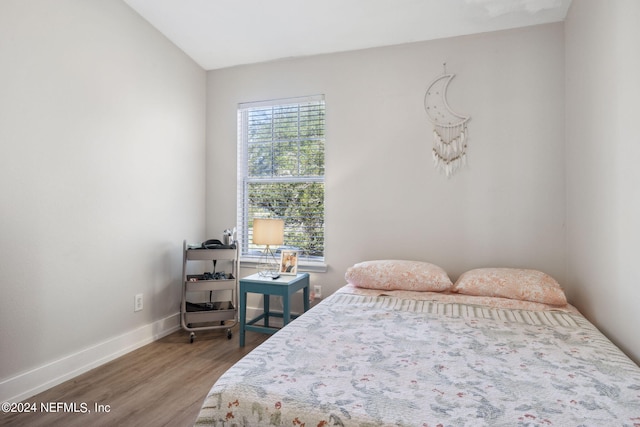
(449, 129)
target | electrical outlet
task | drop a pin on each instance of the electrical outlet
(317, 291)
(137, 303)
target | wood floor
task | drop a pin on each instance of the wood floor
(161, 384)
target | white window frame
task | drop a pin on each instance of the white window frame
(247, 259)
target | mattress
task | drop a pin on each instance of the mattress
(367, 358)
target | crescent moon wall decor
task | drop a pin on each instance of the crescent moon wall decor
(449, 128)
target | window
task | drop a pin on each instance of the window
(281, 172)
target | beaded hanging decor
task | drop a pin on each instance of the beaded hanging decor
(450, 132)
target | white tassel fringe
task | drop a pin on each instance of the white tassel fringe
(449, 151)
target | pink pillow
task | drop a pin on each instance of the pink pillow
(398, 275)
(512, 283)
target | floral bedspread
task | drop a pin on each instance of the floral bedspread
(357, 360)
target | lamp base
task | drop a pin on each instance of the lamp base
(269, 275)
(267, 265)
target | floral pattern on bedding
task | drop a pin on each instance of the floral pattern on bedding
(375, 361)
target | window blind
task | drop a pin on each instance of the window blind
(281, 171)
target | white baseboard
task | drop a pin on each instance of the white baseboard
(30, 383)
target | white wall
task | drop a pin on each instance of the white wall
(102, 146)
(384, 199)
(603, 195)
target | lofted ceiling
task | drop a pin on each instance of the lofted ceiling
(225, 33)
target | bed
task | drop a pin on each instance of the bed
(402, 345)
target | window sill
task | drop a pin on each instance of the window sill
(303, 266)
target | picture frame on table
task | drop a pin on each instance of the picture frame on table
(289, 262)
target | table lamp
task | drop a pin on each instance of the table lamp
(268, 232)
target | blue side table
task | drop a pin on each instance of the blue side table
(284, 286)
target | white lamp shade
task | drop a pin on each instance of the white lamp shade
(268, 231)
